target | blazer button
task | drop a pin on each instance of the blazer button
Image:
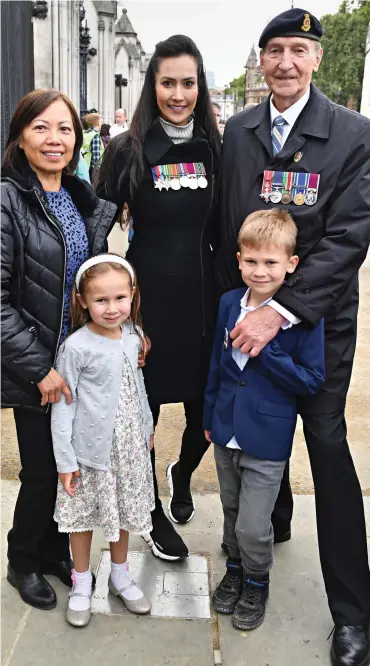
(307, 291)
(242, 384)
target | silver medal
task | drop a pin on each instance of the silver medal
(202, 182)
(193, 184)
(184, 181)
(275, 196)
(175, 184)
(310, 197)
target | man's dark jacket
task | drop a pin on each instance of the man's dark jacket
(333, 234)
(33, 266)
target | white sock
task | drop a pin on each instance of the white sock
(82, 584)
(123, 583)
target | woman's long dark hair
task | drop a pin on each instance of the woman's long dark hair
(147, 112)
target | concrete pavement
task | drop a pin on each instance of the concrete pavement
(295, 630)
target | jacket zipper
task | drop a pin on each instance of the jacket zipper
(64, 273)
(201, 254)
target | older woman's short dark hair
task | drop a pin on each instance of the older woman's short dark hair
(29, 108)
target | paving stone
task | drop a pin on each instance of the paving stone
(48, 640)
(12, 612)
(295, 629)
(177, 590)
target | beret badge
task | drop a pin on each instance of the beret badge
(306, 26)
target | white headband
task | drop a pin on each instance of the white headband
(103, 259)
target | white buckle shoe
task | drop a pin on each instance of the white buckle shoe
(138, 606)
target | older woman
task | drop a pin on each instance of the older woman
(51, 221)
(165, 168)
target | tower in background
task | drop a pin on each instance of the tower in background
(255, 88)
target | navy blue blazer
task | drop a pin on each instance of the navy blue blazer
(258, 404)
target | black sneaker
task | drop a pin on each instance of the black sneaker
(163, 539)
(181, 505)
(227, 593)
(250, 610)
(282, 530)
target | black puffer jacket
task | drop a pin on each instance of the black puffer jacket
(33, 264)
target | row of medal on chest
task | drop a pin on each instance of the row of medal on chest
(175, 176)
(192, 182)
(287, 187)
(276, 196)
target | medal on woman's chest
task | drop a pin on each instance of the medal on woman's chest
(176, 176)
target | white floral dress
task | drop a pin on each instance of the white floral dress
(122, 497)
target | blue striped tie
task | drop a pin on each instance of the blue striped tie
(277, 134)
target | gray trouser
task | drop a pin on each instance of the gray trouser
(249, 488)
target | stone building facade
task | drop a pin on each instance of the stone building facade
(131, 63)
(81, 49)
(255, 88)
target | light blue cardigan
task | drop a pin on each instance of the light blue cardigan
(92, 367)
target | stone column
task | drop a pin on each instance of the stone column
(101, 28)
(55, 43)
(75, 53)
(110, 85)
(64, 47)
(106, 67)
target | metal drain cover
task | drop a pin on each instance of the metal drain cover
(177, 590)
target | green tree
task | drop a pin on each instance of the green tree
(344, 42)
(238, 85)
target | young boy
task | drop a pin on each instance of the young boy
(250, 412)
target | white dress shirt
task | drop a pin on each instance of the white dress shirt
(239, 357)
(290, 115)
(117, 129)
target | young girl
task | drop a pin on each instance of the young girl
(102, 440)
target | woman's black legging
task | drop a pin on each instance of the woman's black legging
(194, 444)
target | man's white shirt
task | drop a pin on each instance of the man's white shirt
(117, 129)
(242, 359)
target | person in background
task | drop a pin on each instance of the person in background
(104, 134)
(82, 170)
(120, 124)
(217, 111)
(92, 146)
(166, 169)
(51, 222)
(84, 122)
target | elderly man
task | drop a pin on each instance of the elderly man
(301, 151)
(120, 124)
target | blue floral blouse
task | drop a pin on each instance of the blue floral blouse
(74, 230)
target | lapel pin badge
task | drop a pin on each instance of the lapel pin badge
(298, 156)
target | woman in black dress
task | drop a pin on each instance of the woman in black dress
(165, 168)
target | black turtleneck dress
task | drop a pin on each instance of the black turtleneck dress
(171, 250)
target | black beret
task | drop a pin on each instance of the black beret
(293, 23)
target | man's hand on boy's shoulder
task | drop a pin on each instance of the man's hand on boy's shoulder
(256, 330)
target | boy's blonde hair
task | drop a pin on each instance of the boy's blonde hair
(269, 227)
